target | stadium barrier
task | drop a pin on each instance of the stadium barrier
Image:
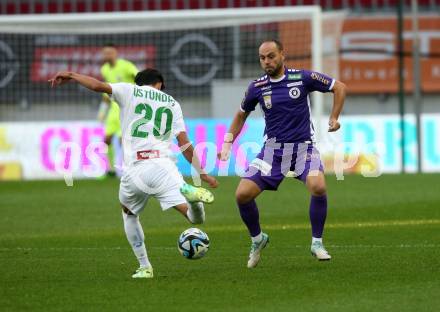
(365, 144)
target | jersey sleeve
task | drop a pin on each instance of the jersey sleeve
(315, 81)
(121, 92)
(178, 122)
(250, 99)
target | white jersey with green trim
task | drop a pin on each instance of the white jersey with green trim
(150, 119)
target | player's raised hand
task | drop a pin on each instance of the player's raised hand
(212, 182)
(60, 78)
(333, 125)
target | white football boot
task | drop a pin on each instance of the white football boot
(318, 251)
(256, 248)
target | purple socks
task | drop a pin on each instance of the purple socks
(250, 216)
(318, 213)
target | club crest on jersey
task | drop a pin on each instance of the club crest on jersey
(267, 101)
(294, 93)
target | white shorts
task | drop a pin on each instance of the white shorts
(159, 178)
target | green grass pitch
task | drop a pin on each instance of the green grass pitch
(63, 249)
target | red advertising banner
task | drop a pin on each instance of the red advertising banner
(84, 60)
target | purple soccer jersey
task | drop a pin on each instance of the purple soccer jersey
(289, 132)
(285, 103)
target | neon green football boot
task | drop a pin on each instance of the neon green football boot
(143, 273)
(196, 194)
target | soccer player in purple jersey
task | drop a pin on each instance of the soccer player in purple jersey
(289, 149)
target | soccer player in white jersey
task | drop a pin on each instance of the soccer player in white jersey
(150, 119)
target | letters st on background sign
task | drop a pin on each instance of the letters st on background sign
(368, 60)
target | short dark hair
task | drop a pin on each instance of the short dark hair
(278, 43)
(109, 45)
(149, 76)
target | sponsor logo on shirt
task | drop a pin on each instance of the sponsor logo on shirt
(318, 77)
(294, 84)
(148, 154)
(294, 93)
(269, 92)
(267, 101)
(266, 88)
(294, 76)
(261, 83)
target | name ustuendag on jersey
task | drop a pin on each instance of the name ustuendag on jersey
(152, 95)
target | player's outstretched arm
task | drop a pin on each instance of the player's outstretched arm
(339, 92)
(233, 132)
(188, 152)
(86, 81)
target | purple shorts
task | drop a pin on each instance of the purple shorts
(279, 160)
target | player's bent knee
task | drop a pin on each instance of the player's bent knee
(318, 190)
(243, 197)
(126, 210)
(247, 191)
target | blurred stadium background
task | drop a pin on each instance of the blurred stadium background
(208, 66)
(63, 248)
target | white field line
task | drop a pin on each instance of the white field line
(345, 225)
(271, 227)
(360, 224)
(361, 246)
(241, 228)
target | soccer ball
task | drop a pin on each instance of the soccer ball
(193, 243)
